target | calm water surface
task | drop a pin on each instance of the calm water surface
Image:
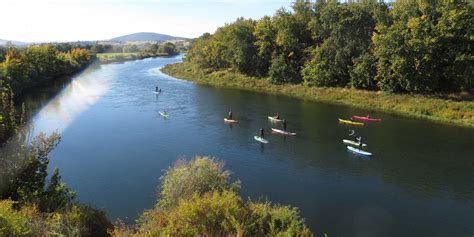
(115, 147)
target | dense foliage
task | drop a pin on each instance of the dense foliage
(28, 67)
(197, 199)
(76, 220)
(405, 46)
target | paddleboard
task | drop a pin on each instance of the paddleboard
(279, 131)
(274, 119)
(351, 142)
(358, 151)
(260, 139)
(230, 120)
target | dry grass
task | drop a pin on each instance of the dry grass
(419, 106)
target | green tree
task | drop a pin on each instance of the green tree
(44, 61)
(16, 71)
(8, 123)
(426, 48)
(24, 174)
(291, 41)
(345, 31)
(265, 37)
(168, 48)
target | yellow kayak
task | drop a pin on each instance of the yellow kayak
(350, 122)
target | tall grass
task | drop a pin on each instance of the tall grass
(418, 106)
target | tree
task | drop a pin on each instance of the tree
(16, 71)
(345, 31)
(291, 42)
(168, 48)
(23, 174)
(44, 61)
(265, 36)
(426, 48)
(8, 124)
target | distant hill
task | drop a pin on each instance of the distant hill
(146, 36)
(17, 43)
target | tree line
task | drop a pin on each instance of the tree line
(167, 48)
(422, 46)
(26, 68)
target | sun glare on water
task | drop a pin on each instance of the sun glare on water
(78, 96)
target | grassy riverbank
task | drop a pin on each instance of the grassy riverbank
(430, 108)
(121, 57)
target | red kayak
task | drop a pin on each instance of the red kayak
(360, 118)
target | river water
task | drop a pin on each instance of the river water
(115, 146)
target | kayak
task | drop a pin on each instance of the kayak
(230, 120)
(274, 119)
(260, 139)
(350, 122)
(366, 119)
(163, 114)
(283, 132)
(358, 151)
(350, 142)
(156, 92)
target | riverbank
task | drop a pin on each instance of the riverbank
(122, 57)
(418, 106)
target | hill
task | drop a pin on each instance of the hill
(146, 36)
(17, 43)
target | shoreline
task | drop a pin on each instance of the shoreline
(459, 113)
(106, 58)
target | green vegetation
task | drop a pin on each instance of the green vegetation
(76, 220)
(31, 204)
(408, 46)
(197, 199)
(325, 50)
(23, 69)
(132, 52)
(37, 65)
(426, 107)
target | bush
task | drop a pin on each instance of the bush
(77, 220)
(199, 175)
(205, 204)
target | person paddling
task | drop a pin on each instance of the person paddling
(277, 116)
(262, 133)
(229, 116)
(156, 89)
(284, 124)
(359, 140)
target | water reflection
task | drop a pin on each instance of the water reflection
(79, 95)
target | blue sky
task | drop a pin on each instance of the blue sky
(72, 20)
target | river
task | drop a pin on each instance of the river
(115, 146)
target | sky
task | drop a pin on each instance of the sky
(74, 20)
